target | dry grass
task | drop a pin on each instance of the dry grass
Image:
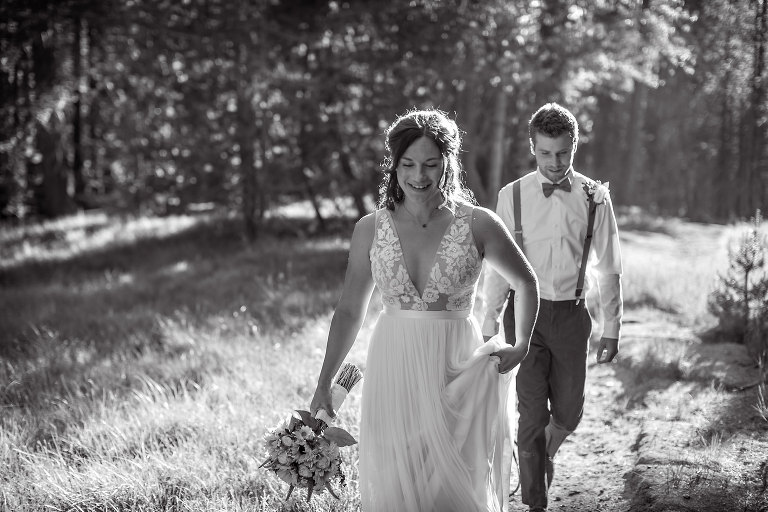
(762, 403)
(141, 364)
(142, 360)
(672, 266)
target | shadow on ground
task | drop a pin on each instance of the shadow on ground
(702, 445)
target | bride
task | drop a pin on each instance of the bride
(434, 421)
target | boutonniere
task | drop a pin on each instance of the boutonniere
(596, 191)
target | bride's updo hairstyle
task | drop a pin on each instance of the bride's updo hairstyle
(410, 127)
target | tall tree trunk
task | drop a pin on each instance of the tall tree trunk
(634, 162)
(52, 199)
(472, 120)
(77, 123)
(758, 112)
(9, 128)
(245, 135)
(634, 166)
(306, 164)
(312, 196)
(554, 15)
(248, 171)
(723, 180)
(497, 145)
(745, 157)
(605, 148)
(48, 170)
(101, 172)
(356, 186)
(262, 197)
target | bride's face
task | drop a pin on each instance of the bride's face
(419, 171)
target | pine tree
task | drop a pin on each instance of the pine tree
(740, 299)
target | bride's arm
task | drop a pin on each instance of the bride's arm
(498, 247)
(349, 313)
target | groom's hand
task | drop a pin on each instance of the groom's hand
(607, 350)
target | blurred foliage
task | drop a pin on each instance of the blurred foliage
(171, 106)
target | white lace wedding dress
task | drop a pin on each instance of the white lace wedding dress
(435, 428)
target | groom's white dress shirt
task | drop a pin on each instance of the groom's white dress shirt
(554, 229)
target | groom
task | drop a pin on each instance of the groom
(553, 213)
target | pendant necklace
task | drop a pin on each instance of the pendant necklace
(423, 224)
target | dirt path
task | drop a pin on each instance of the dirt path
(638, 446)
(591, 464)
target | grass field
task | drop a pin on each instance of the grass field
(142, 360)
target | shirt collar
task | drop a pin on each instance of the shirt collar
(543, 179)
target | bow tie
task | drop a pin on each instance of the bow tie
(548, 188)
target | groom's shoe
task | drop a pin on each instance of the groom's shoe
(549, 470)
(537, 509)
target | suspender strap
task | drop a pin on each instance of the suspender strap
(518, 227)
(508, 319)
(585, 254)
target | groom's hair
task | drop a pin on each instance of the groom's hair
(553, 120)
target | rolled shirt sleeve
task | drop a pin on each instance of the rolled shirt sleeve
(607, 254)
(605, 242)
(495, 287)
(611, 304)
(495, 290)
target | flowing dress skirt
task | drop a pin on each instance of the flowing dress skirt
(435, 431)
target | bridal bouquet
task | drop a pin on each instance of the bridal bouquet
(303, 451)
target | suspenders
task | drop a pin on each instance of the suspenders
(518, 228)
(508, 318)
(518, 232)
(587, 244)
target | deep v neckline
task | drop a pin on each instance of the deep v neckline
(431, 267)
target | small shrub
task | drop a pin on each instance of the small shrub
(740, 300)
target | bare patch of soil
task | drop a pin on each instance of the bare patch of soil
(670, 426)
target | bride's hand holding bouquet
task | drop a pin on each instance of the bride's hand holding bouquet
(322, 404)
(328, 399)
(303, 451)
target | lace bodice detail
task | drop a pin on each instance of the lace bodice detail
(455, 270)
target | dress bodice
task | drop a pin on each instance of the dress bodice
(452, 279)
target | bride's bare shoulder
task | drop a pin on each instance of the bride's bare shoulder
(485, 219)
(368, 219)
(364, 229)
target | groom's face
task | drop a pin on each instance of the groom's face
(554, 155)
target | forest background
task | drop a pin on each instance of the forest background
(176, 106)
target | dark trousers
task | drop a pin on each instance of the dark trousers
(550, 390)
